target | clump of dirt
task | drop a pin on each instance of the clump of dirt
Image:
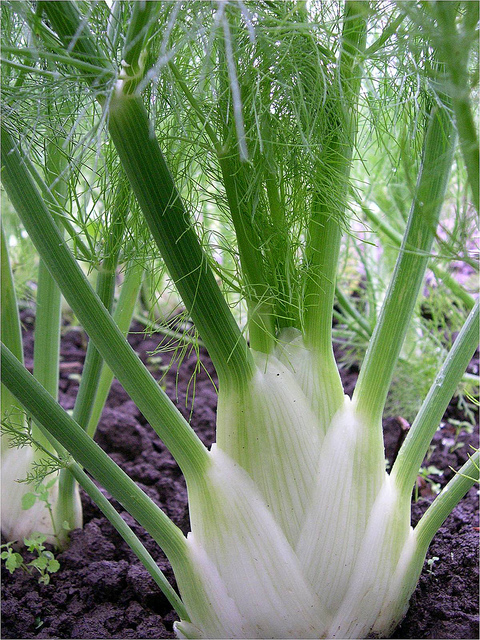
(102, 591)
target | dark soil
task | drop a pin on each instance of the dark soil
(102, 591)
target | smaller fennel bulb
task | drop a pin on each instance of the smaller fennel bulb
(309, 537)
(19, 523)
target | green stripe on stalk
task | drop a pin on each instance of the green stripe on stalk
(324, 233)
(444, 503)
(173, 232)
(160, 412)
(46, 411)
(130, 538)
(384, 348)
(423, 429)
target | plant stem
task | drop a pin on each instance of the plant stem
(76, 36)
(384, 348)
(11, 332)
(452, 284)
(261, 327)
(130, 538)
(105, 290)
(178, 436)
(45, 410)
(445, 502)
(327, 212)
(172, 230)
(122, 318)
(324, 234)
(454, 48)
(261, 324)
(414, 448)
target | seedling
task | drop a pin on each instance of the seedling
(45, 563)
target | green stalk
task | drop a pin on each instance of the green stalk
(454, 48)
(133, 51)
(11, 332)
(446, 501)
(452, 284)
(130, 538)
(105, 290)
(163, 209)
(75, 35)
(261, 329)
(46, 411)
(122, 318)
(324, 234)
(261, 325)
(385, 345)
(160, 412)
(172, 230)
(46, 351)
(423, 429)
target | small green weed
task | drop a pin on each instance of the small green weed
(45, 562)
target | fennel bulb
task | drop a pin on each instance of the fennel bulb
(44, 516)
(308, 537)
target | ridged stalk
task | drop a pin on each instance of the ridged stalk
(11, 332)
(423, 429)
(106, 291)
(122, 317)
(130, 538)
(171, 427)
(324, 234)
(46, 411)
(173, 232)
(384, 348)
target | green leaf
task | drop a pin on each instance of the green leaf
(13, 562)
(28, 500)
(39, 563)
(53, 566)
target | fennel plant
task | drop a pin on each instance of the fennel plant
(297, 531)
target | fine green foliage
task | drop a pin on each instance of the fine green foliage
(225, 138)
